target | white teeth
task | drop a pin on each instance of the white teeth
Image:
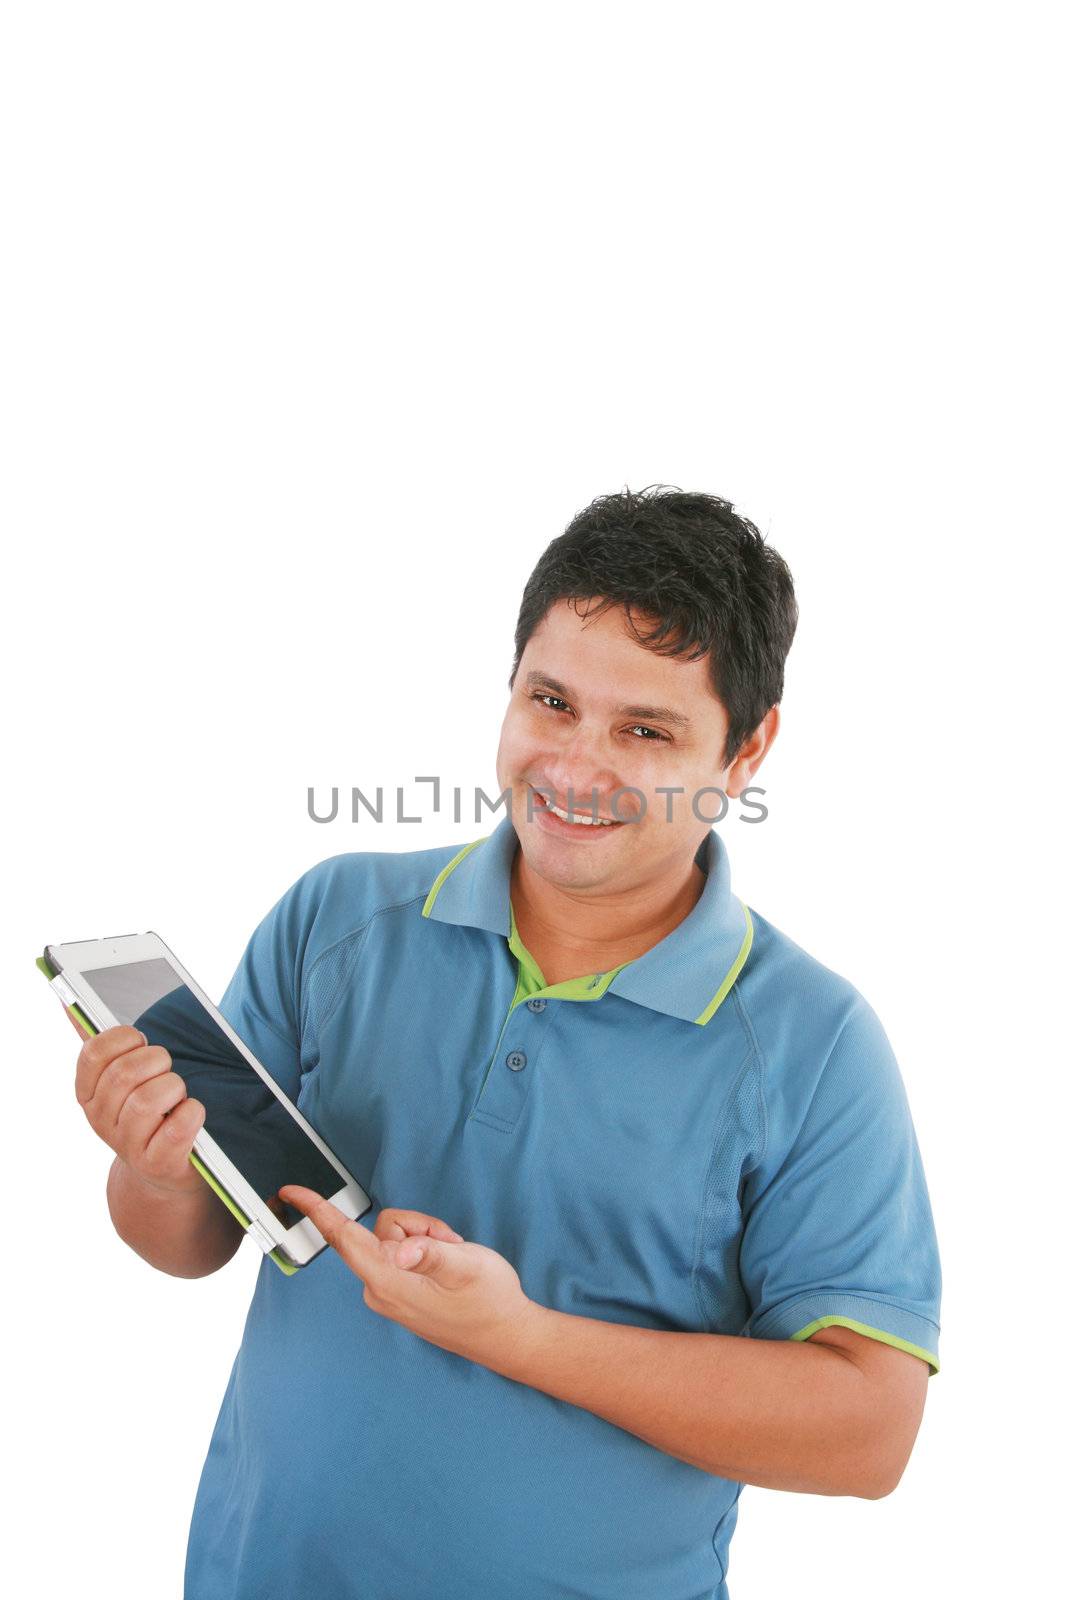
(585, 822)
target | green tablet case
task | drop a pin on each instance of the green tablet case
(286, 1266)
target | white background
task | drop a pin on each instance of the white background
(319, 322)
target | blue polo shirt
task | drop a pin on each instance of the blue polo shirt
(712, 1137)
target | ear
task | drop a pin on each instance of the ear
(749, 758)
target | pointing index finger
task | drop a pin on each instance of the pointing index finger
(337, 1229)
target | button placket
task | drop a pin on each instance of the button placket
(504, 1091)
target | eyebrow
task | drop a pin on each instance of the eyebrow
(645, 713)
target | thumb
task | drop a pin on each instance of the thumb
(432, 1258)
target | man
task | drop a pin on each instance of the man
(650, 1218)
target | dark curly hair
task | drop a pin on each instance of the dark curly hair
(704, 573)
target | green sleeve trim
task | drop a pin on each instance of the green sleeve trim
(872, 1333)
(443, 874)
(731, 977)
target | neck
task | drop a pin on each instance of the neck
(603, 929)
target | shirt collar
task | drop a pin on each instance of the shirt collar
(688, 974)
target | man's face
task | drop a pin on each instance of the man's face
(567, 727)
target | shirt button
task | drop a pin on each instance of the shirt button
(517, 1060)
(535, 1005)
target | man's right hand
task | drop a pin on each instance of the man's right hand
(139, 1107)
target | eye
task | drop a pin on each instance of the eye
(543, 696)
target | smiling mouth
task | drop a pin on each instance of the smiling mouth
(581, 819)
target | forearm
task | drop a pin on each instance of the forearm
(779, 1414)
(186, 1235)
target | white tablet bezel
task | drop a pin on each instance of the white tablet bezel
(303, 1240)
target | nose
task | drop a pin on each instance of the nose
(578, 777)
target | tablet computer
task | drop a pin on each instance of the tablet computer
(253, 1140)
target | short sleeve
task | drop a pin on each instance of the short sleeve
(262, 1002)
(837, 1227)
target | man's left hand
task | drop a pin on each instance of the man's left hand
(419, 1272)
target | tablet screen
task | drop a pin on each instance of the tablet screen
(245, 1118)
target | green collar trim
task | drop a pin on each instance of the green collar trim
(449, 866)
(714, 941)
(731, 977)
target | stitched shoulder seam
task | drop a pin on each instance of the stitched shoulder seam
(353, 933)
(711, 1167)
(736, 994)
